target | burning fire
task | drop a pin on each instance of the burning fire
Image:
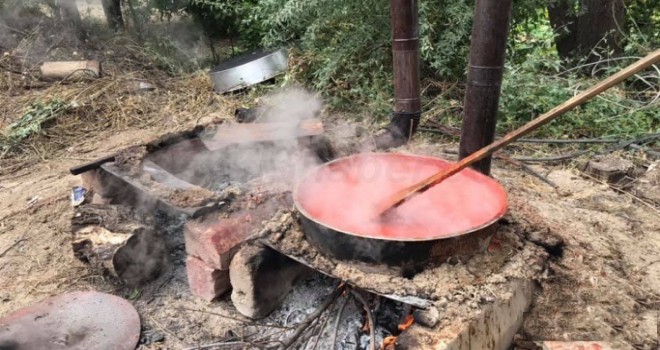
(407, 323)
(389, 343)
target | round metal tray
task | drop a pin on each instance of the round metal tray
(78, 320)
(245, 70)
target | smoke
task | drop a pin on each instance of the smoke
(281, 161)
(290, 105)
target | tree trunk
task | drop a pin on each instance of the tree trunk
(112, 10)
(593, 30)
(564, 22)
(70, 12)
(600, 27)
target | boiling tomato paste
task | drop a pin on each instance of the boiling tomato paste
(345, 195)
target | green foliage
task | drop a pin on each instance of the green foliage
(344, 46)
(539, 83)
(35, 116)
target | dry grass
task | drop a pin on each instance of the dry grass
(111, 103)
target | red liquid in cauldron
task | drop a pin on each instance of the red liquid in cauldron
(344, 195)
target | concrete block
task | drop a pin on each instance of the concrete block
(261, 278)
(491, 328)
(205, 281)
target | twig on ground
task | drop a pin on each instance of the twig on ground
(527, 168)
(441, 129)
(340, 313)
(649, 152)
(16, 30)
(568, 141)
(553, 159)
(515, 162)
(12, 246)
(167, 331)
(233, 318)
(230, 344)
(597, 63)
(645, 267)
(370, 318)
(320, 331)
(302, 326)
(646, 203)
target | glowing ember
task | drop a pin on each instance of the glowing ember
(407, 323)
(388, 343)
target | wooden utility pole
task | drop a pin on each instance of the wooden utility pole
(405, 54)
(485, 71)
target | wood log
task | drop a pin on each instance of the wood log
(70, 70)
(114, 239)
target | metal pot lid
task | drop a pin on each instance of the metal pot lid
(343, 195)
(248, 69)
(79, 320)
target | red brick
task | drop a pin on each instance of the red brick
(205, 281)
(215, 240)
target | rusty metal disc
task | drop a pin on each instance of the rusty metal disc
(79, 320)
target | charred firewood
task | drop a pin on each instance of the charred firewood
(114, 239)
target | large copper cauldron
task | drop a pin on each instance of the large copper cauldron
(456, 218)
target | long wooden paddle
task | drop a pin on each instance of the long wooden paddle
(400, 197)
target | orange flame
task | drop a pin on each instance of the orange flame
(407, 323)
(388, 343)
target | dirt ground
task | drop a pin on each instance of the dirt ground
(604, 287)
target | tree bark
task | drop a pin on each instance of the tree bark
(112, 10)
(564, 22)
(70, 12)
(600, 27)
(593, 30)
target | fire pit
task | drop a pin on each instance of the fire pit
(242, 234)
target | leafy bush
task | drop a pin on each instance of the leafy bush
(35, 116)
(345, 45)
(536, 82)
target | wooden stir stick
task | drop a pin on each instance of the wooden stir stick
(402, 196)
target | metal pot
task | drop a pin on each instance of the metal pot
(328, 205)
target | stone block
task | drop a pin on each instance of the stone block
(261, 278)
